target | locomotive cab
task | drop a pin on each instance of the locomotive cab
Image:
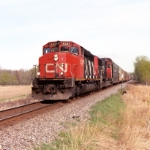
(60, 60)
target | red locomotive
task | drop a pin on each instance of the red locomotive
(66, 69)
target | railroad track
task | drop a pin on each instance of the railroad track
(13, 112)
(28, 108)
(13, 116)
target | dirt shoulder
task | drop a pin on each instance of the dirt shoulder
(15, 96)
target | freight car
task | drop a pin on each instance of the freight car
(67, 69)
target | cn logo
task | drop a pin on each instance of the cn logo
(62, 67)
(47, 68)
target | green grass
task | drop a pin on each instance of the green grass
(108, 110)
(106, 114)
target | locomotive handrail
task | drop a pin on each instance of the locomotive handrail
(34, 72)
(72, 69)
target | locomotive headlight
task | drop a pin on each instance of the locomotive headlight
(38, 73)
(55, 57)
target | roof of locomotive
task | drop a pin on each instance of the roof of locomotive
(86, 52)
(107, 59)
(59, 42)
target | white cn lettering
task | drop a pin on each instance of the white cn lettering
(63, 67)
(47, 70)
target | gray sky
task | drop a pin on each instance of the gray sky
(119, 29)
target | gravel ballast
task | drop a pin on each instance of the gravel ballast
(44, 128)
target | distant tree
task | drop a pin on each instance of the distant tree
(17, 76)
(0, 74)
(25, 76)
(14, 81)
(142, 69)
(5, 78)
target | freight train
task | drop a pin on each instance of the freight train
(66, 69)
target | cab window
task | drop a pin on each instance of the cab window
(74, 50)
(54, 49)
(46, 50)
(64, 49)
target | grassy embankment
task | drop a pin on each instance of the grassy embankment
(118, 122)
(14, 92)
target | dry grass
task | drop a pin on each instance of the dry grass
(13, 92)
(87, 137)
(132, 130)
(136, 124)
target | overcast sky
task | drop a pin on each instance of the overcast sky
(119, 29)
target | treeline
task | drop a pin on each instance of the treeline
(16, 77)
(142, 69)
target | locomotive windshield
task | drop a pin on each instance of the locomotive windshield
(54, 49)
(46, 50)
(64, 49)
(74, 50)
